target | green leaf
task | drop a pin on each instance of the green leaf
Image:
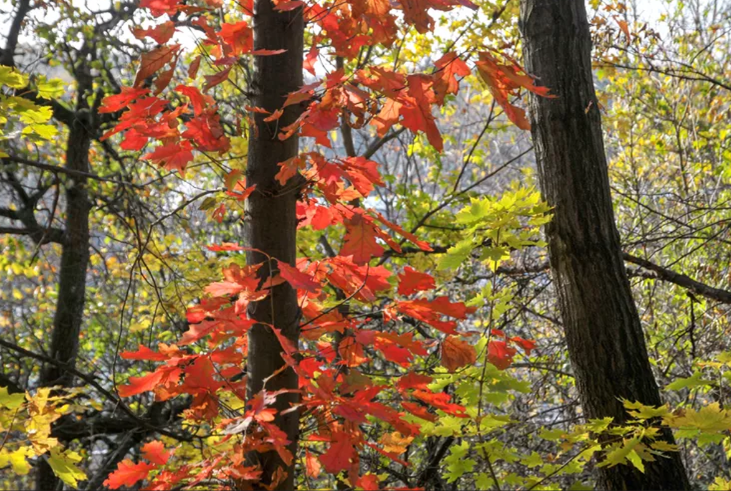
(45, 131)
(636, 461)
(12, 78)
(63, 465)
(11, 401)
(691, 382)
(49, 89)
(38, 115)
(456, 255)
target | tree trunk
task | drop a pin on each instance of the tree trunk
(271, 220)
(603, 330)
(72, 277)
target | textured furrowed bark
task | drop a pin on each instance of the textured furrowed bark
(271, 214)
(603, 331)
(72, 278)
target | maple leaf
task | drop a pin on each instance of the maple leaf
(268, 52)
(155, 452)
(197, 332)
(298, 279)
(173, 156)
(457, 353)
(128, 474)
(440, 401)
(133, 140)
(337, 458)
(360, 240)
(500, 354)
(153, 61)
(161, 33)
(412, 281)
(351, 352)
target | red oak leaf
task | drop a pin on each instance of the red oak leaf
(160, 33)
(419, 411)
(298, 279)
(500, 354)
(128, 474)
(155, 452)
(160, 7)
(146, 383)
(153, 61)
(313, 465)
(528, 345)
(412, 281)
(360, 240)
(440, 401)
(144, 353)
(173, 156)
(238, 36)
(114, 103)
(414, 380)
(337, 458)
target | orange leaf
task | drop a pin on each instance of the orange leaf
(274, 116)
(457, 353)
(312, 465)
(238, 36)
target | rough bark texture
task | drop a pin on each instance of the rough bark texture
(271, 217)
(72, 275)
(603, 330)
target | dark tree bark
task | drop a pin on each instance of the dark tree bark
(74, 263)
(603, 330)
(271, 217)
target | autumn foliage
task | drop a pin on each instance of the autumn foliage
(335, 398)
